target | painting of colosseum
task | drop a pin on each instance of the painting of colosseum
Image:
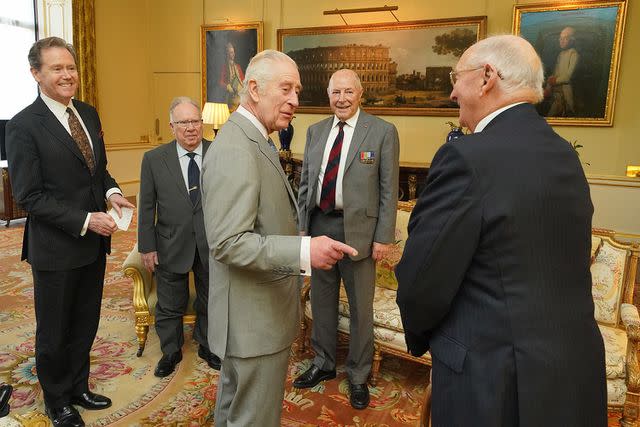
(404, 67)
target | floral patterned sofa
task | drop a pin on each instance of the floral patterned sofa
(613, 274)
(387, 325)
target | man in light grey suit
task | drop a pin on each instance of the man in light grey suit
(256, 254)
(348, 191)
(171, 236)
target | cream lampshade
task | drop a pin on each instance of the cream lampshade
(215, 113)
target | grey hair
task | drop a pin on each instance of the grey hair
(35, 53)
(516, 61)
(355, 76)
(259, 69)
(181, 100)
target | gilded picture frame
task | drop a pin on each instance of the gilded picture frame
(404, 67)
(226, 52)
(580, 44)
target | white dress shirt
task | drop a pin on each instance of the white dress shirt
(60, 111)
(348, 130)
(305, 243)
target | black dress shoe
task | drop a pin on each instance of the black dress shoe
(5, 394)
(359, 395)
(212, 360)
(167, 364)
(312, 376)
(65, 416)
(90, 400)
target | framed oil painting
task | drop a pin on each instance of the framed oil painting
(226, 52)
(580, 44)
(404, 67)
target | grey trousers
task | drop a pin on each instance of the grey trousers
(359, 281)
(250, 390)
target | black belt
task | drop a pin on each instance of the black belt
(334, 212)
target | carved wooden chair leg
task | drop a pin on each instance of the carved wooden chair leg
(141, 332)
(303, 337)
(375, 367)
(425, 419)
(630, 410)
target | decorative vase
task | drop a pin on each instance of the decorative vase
(286, 135)
(456, 132)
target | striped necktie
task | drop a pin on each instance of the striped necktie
(328, 194)
(193, 176)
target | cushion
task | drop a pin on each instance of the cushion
(607, 274)
(615, 348)
(385, 275)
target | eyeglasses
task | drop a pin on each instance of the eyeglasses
(184, 124)
(453, 75)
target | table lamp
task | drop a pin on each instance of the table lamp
(215, 113)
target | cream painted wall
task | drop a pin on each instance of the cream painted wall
(149, 51)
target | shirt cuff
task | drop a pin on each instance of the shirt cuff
(85, 227)
(113, 191)
(305, 256)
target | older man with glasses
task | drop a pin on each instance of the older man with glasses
(171, 236)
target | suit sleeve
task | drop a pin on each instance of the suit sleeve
(303, 188)
(27, 183)
(146, 208)
(444, 231)
(231, 185)
(389, 177)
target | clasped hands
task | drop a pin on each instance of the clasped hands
(101, 222)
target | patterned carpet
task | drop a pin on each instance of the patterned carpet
(187, 397)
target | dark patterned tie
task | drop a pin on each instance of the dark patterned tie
(81, 139)
(328, 194)
(193, 176)
(272, 145)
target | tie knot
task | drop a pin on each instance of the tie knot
(191, 155)
(69, 110)
(341, 124)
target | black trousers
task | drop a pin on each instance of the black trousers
(67, 305)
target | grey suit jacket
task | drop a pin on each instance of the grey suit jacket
(369, 190)
(250, 220)
(167, 219)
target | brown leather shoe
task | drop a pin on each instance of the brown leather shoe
(359, 395)
(167, 364)
(312, 376)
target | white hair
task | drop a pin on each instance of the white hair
(356, 77)
(181, 100)
(516, 61)
(260, 70)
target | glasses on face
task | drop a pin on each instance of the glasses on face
(185, 124)
(453, 75)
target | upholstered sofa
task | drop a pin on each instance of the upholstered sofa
(387, 325)
(613, 274)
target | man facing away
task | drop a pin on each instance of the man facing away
(256, 255)
(494, 279)
(349, 192)
(171, 236)
(58, 170)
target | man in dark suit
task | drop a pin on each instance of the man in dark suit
(494, 279)
(349, 192)
(171, 236)
(58, 170)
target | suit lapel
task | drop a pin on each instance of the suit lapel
(254, 134)
(359, 133)
(53, 125)
(172, 163)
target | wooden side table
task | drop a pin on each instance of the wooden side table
(11, 209)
